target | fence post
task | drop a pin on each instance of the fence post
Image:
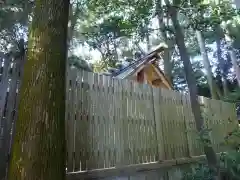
(156, 101)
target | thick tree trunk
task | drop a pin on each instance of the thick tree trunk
(212, 84)
(236, 67)
(191, 81)
(39, 144)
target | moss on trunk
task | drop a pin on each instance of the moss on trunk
(39, 144)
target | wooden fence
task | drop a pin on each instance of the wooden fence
(114, 123)
(10, 76)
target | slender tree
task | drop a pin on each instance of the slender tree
(217, 15)
(233, 57)
(207, 65)
(39, 144)
(191, 81)
(236, 66)
(168, 66)
(219, 36)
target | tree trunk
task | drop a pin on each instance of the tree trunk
(167, 53)
(39, 144)
(191, 81)
(212, 84)
(233, 57)
(115, 52)
(148, 42)
(73, 17)
(235, 65)
(220, 59)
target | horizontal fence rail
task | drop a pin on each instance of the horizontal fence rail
(114, 123)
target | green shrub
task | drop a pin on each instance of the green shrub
(230, 165)
(229, 162)
(201, 172)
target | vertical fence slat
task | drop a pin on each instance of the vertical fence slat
(71, 119)
(101, 121)
(78, 143)
(158, 113)
(10, 80)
